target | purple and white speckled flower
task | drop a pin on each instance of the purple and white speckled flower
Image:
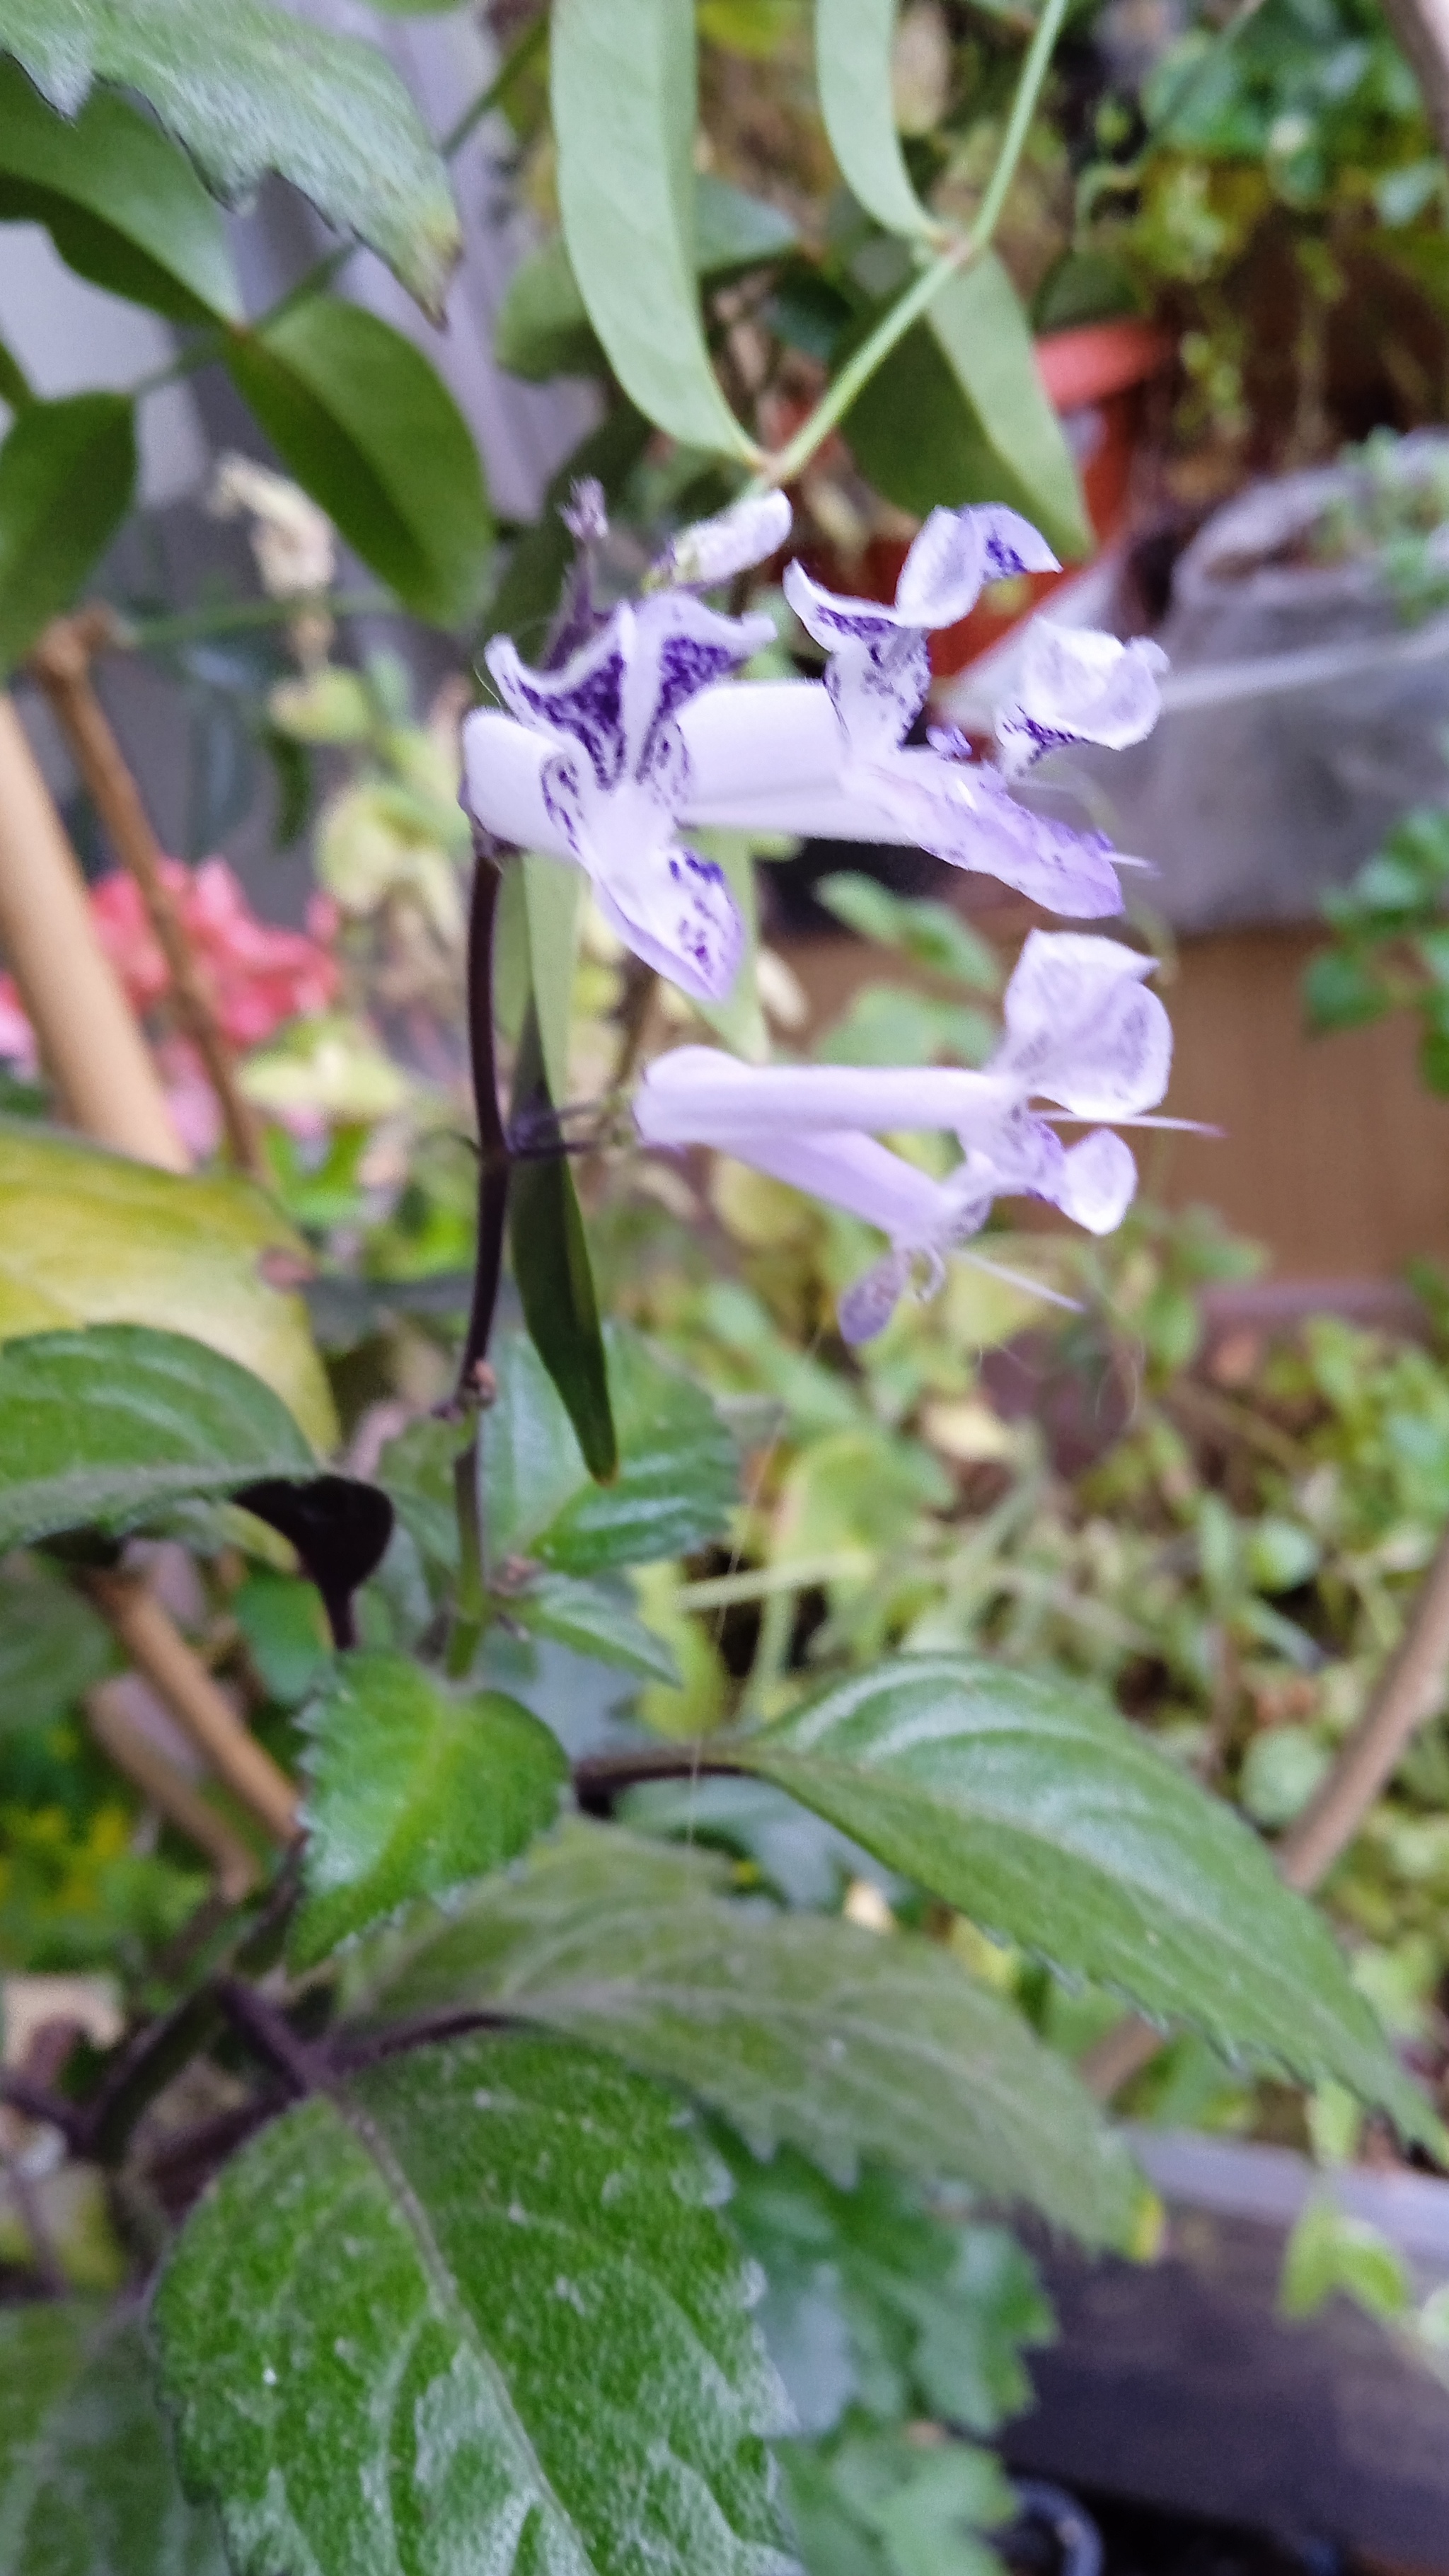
(590, 764)
(1079, 686)
(1080, 1031)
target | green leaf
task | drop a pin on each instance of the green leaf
(368, 427)
(285, 1628)
(1025, 1800)
(1329, 2251)
(15, 386)
(553, 902)
(91, 1238)
(67, 473)
(854, 49)
(794, 2027)
(623, 91)
(929, 933)
(551, 1266)
(252, 88)
(587, 1619)
(114, 1424)
(87, 2487)
(958, 413)
(678, 1470)
(122, 205)
(52, 1647)
(475, 2310)
(413, 1788)
(734, 231)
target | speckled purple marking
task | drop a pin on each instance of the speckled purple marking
(590, 708)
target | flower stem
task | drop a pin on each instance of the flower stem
(236, 616)
(529, 46)
(918, 297)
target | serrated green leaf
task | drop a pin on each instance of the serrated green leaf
(551, 1267)
(794, 2027)
(92, 1238)
(52, 1647)
(112, 1425)
(475, 2310)
(678, 1471)
(67, 473)
(588, 1620)
(623, 92)
(854, 48)
(123, 206)
(958, 413)
(252, 88)
(1026, 1800)
(369, 428)
(413, 1788)
(87, 2486)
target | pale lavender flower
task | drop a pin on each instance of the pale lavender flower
(737, 539)
(1079, 686)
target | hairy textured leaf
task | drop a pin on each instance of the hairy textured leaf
(251, 88)
(623, 89)
(413, 1788)
(91, 1238)
(551, 1266)
(594, 1622)
(678, 1470)
(369, 428)
(1028, 1802)
(123, 206)
(87, 2486)
(114, 1424)
(476, 2311)
(854, 45)
(794, 2027)
(67, 472)
(52, 1647)
(958, 413)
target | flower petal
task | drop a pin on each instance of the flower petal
(867, 1305)
(1098, 1183)
(714, 550)
(964, 814)
(678, 914)
(698, 1095)
(584, 700)
(879, 672)
(1080, 1030)
(1079, 686)
(503, 765)
(956, 553)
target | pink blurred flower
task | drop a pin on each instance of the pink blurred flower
(257, 975)
(17, 1037)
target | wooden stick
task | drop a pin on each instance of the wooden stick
(62, 663)
(182, 1805)
(1422, 28)
(87, 1031)
(161, 1654)
(1411, 1689)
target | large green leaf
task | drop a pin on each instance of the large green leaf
(623, 90)
(412, 1789)
(678, 1469)
(123, 206)
(551, 1266)
(476, 2310)
(91, 1238)
(958, 413)
(87, 2486)
(794, 2027)
(368, 427)
(67, 472)
(854, 44)
(115, 1424)
(52, 1646)
(251, 88)
(1026, 1800)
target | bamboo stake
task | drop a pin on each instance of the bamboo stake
(183, 1806)
(87, 1031)
(156, 1647)
(62, 664)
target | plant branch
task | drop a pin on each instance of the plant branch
(270, 2036)
(166, 1789)
(62, 663)
(917, 299)
(601, 1778)
(516, 62)
(238, 616)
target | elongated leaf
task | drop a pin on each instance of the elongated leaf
(89, 1238)
(794, 2027)
(854, 44)
(371, 431)
(551, 1264)
(87, 2486)
(476, 2311)
(413, 1788)
(52, 1647)
(67, 472)
(958, 413)
(124, 207)
(1029, 1803)
(589, 1620)
(251, 88)
(678, 1470)
(16, 389)
(113, 1424)
(623, 90)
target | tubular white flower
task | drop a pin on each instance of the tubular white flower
(714, 550)
(1079, 686)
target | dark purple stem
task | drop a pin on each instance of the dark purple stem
(493, 1154)
(602, 1777)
